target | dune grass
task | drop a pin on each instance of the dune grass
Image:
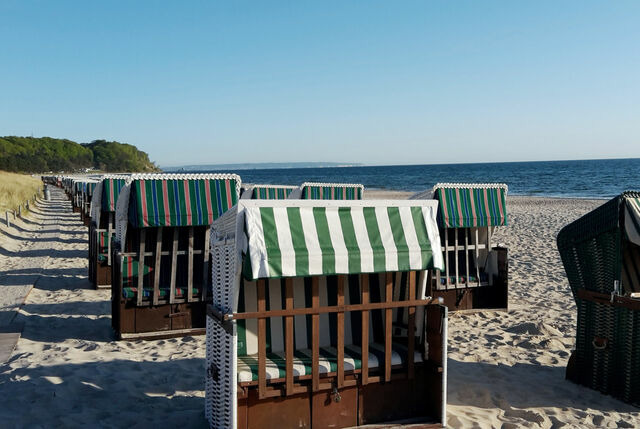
(15, 189)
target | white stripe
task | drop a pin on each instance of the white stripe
(284, 241)
(257, 247)
(360, 227)
(429, 215)
(300, 322)
(386, 235)
(337, 240)
(311, 240)
(275, 303)
(415, 256)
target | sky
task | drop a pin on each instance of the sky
(373, 82)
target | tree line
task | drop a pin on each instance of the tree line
(44, 154)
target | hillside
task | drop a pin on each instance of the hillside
(42, 154)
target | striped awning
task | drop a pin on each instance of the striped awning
(321, 239)
(271, 192)
(329, 191)
(632, 219)
(110, 192)
(180, 202)
(469, 205)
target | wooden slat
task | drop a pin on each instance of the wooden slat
(174, 266)
(455, 237)
(466, 254)
(143, 235)
(109, 239)
(156, 268)
(205, 265)
(489, 250)
(364, 286)
(190, 266)
(388, 322)
(411, 326)
(446, 257)
(262, 342)
(333, 309)
(340, 334)
(315, 336)
(477, 258)
(289, 336)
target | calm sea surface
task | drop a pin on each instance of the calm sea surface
(582, 179)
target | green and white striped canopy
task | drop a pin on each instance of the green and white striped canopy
(632, 217)
(306, 238)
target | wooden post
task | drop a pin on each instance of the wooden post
(466, 255)
(288, 343)
(205, 264)
(455, 249)
(143, 236)
(156, 267)
(477, 258)
(340, 334)
(388, 325)
(262, 342)
(190, 266)
(174, 265)
(364, 286)
(411, 325)
(446, 257)
(315, 336)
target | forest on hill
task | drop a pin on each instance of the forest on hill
(43, 154)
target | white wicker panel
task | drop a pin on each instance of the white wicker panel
(220, 383)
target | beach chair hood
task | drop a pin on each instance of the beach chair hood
(466, 205)
(308, 238)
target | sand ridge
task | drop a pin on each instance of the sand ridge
(505, 369)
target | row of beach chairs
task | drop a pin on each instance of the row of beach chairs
(315, 304)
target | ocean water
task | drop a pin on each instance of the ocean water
(580, 179)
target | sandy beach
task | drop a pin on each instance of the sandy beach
(506, 369)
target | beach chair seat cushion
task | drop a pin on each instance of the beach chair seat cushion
(276, 363)
(463, 279)
(132, 292)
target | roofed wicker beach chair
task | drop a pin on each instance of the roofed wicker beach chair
(300, 290)
(102, 228)
(161, 264)
(601, 256)
(328, 191)
(476, 272)
(88, 188)
(266, 192)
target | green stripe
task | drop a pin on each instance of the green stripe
(350, 240)
(423, 237)
(371, 221)
(274, 256)
(326, 247)
(299, 244)
(399, 238)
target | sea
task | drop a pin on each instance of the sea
(602, 178)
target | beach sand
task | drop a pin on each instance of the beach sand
(506, 369)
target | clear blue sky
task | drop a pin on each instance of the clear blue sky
(349, 81)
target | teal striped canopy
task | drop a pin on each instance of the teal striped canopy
(309, 238)
(471, 205)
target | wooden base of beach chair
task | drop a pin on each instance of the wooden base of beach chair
(355, 404)
(494, 296)
(77, 209)
(167, 320)
(102, 276)
(86, 219)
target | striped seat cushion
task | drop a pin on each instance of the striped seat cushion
(132, 292)
(276, 363)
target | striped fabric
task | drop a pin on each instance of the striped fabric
(325, 240)
(91, 186)
(632, 219)
(180, 202)
(132, 292)
(110, 193)
(271, 192)
(276, 362)
(471, 207)
(103, 245)
(331, 192)
(130, 271)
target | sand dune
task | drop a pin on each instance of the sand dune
(505, 369)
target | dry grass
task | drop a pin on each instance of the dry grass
(15, 189)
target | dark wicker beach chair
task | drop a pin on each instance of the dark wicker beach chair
(601, 255)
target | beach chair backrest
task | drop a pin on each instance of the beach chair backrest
(328, 191)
